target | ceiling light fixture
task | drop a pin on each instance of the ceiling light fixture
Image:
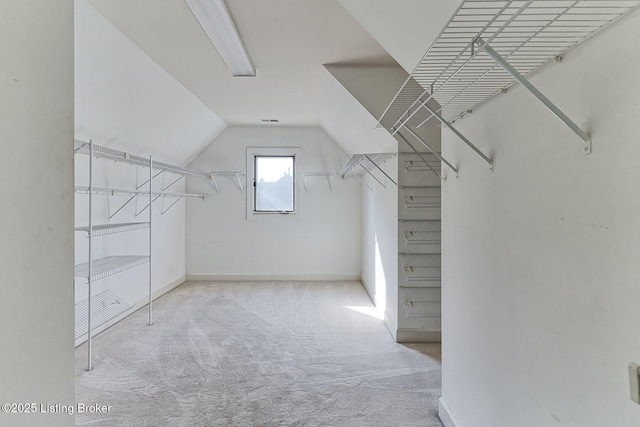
(215, 20)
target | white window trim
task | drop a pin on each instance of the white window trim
(252, 152)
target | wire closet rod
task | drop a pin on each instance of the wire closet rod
(123, 156)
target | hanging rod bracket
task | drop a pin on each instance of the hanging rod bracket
(586, 139)
(435, 114)
(423, 142)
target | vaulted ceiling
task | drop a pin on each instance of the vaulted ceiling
(289, 42)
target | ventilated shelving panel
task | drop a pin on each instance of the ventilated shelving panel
(101, 151)
(421, 197)
(113, 191)
(421, 267)
(418, 232)
(108, 266)
(421, 302)
(107, 229)
(360, 164)
(105, 306)
(413, 163)
(460, 76)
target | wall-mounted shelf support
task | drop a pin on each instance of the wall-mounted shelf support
(305, 175)
(237, 175)
(487, 47)
(586, 139)
(435, 114)
(359, 164)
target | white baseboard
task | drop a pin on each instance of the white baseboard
(138, 305)
(446, 416)
(273, 278)
(416, 335)
(365, 285)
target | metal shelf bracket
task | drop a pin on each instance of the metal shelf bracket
(586, 139)
(442, 176)
(359, 164)
(237, 175)
(305, 175)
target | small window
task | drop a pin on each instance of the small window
(274, 184)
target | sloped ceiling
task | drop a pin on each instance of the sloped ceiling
(125, 100)
(355, 97)
(405, 28)
(287, 40)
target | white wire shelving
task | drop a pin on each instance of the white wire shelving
(102, 268)
(421, 232)
(157, 169)
(421, 301)
(421, 267)
(106, 306)
(421, 197)
(107, 229)
(236, 175)
(100, 151)
(489, 45)
(327, 175)
(420, 162)
(361, 164)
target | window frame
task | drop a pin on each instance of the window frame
(252, 153)
(256, 157)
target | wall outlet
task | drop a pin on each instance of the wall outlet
(634, 382)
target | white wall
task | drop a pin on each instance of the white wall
(380, 244)
(321, 242)
(36, 219)
(540, 257)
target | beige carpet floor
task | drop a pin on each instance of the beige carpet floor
(259, 354)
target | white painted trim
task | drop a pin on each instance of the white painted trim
(446, 416)
(273, 278)
(388, 323)
(386, 318)
(138, 305)
(417, 335)
(365, 285)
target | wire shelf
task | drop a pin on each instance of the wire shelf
(421, 267)
(327, 175)
(420, 232)
(112, 191)
(359, 164)
(421, 302)
(421, 197)
(107, 229)
(236, 175)
(460, 76)
(105, 306)
(82, 147)
(413, 163)
(108, 266)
